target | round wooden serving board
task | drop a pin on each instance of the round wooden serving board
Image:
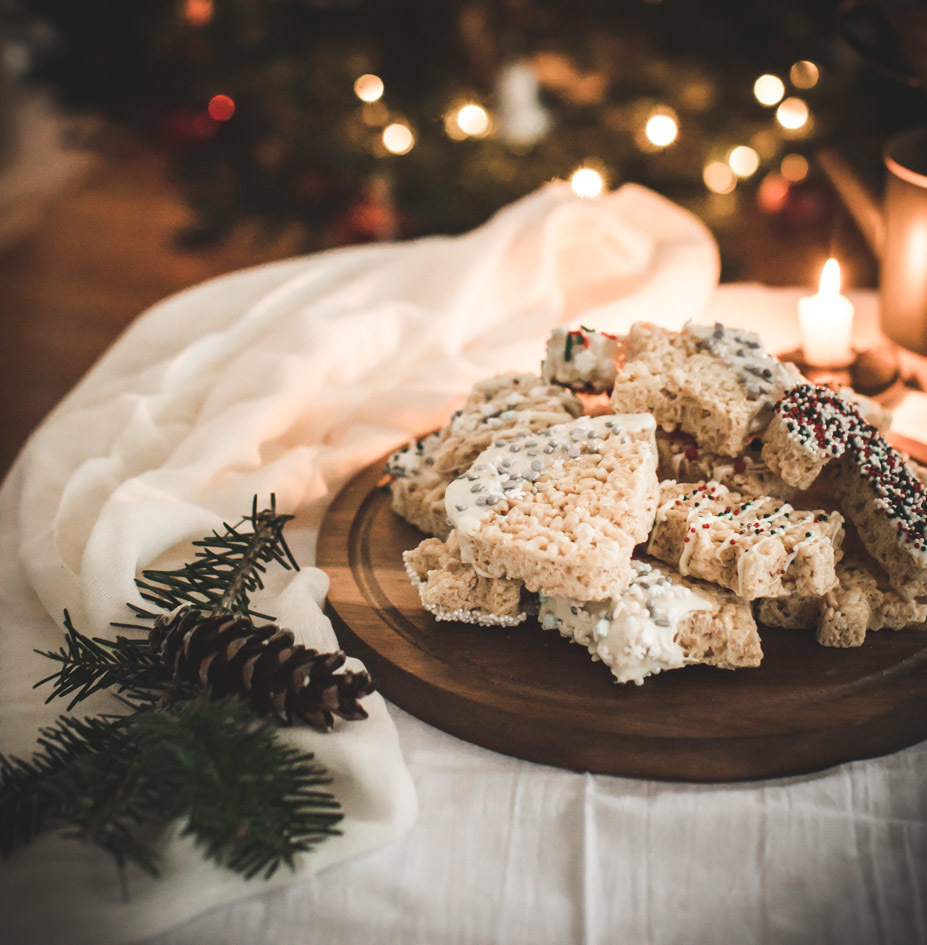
(529, 693)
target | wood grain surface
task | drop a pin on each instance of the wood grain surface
(529, 693)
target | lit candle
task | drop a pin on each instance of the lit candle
(826, 322)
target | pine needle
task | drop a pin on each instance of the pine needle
(89, 665)
(227, 568)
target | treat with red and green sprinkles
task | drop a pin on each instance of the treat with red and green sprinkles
(810, 427)
(879, 491)
(582, 359)
(757, 546)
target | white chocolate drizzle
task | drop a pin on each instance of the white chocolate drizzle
(748, 524)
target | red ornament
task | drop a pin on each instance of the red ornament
(221, 107)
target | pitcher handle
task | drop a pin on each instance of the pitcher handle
(846, 12)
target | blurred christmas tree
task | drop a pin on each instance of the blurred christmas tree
(369, 119)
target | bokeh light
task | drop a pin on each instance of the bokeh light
(772, 195)
(804, 74)
(221, 108)
(587, 182)
(662, 128)
(368, 87)
(794, 167)
(768, 90)
(398, 138)
(198, 12)
(719, 178)
(472, 120)
(792, 113)
(743, 161)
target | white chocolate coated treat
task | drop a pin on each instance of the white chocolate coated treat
(508, 469)
(581, 359)
(633, 634)
(763, 376)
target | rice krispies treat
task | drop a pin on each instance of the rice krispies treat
(582, 359)
(417, 489)
(880, 492)
(714, 382)
(757, 546)
(660, 621)
(861, 601)
(511, 403)
(811, 425)
(452, 590)
(560, 510)
(888, 505)
(421, 470)
(681, 458)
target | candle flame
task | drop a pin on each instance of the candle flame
(830, 278)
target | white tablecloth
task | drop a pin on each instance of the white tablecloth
(504, 851)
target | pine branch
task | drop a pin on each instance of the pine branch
(227, 569)
(250, 802)
(89, 665)
(86, 781)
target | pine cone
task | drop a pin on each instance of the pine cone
(283, 680)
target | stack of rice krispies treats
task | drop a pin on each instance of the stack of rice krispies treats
(568, 529)
(420, 471)
(860, 602)
(452, 590)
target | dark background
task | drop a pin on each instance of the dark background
(120, 182)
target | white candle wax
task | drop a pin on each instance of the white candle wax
(826, 322)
